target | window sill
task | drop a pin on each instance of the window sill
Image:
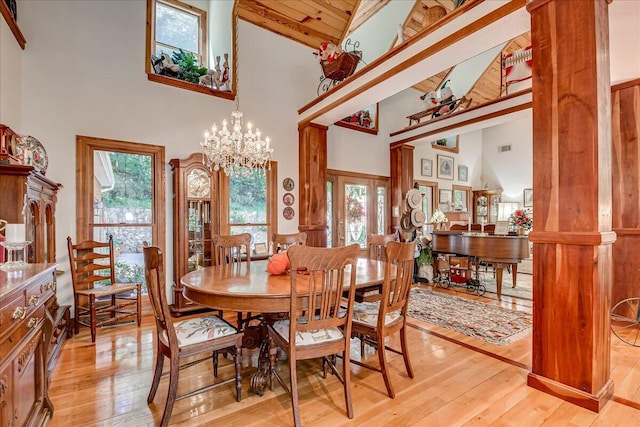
(13, 25)
(170, 81)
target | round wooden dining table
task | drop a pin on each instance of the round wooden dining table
(254, 289)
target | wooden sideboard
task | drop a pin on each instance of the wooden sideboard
(26, 331)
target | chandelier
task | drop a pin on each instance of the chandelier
(236, 151)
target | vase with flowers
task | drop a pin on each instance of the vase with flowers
(522, 221)
(438, 218)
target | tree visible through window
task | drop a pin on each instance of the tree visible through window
(179, 26)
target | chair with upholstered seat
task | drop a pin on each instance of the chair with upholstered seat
(320, 325)
(282, 242)
(374, 321)
(98, 299)
(185, 339)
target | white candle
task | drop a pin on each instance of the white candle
(15, 233)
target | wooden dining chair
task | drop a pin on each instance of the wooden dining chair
(374, 321)
(185, 339)
(282, 242)
(234, 251)
(378, 244)
(98, 299)
(320, 325)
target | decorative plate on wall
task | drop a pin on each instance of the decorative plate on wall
(34, 153)
(288, 199)
(288, 184)
(288, 213)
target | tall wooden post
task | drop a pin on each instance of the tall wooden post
(401, 169)
(572, 235)
(312, 170)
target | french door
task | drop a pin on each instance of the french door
(358, 205)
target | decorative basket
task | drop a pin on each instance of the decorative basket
(433, 14)
(341, 67)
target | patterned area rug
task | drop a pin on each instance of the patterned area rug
(485, 322)
(523, 289)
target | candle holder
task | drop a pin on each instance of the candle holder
(16, 255)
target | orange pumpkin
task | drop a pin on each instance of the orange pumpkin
(278, 264)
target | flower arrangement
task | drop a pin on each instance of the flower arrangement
(438, 217)
(521, 218)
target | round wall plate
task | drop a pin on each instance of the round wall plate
(288, 213)
(288, 184)
(288, 199)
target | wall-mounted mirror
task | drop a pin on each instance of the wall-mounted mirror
(446, 144)
(190, 44)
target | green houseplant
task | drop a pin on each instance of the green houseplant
(189, 69)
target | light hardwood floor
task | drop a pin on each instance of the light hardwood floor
(459, 381)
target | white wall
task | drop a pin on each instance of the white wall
(10, 76)
(83, 73)
(512, 170)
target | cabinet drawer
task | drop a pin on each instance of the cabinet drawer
(37, 293)
(12, 338)
(15, 307)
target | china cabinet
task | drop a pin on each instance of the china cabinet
(194, 220)
(485, 206)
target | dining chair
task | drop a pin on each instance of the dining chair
(98, 298)
(320, 325)
(234, 251)
(374, 321)
(282, 242)
(377, 245)
(203, 335)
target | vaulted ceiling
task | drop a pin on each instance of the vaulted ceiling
(311, 22)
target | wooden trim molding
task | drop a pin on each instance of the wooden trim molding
(13, 25)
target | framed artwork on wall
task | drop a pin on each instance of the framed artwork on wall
(463, 173)
(445, 167)
(527, 198)
(426, 167)
(365, 120)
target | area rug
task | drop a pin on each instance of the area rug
(523, 289)
(485, 322)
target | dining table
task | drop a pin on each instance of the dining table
(250, 288)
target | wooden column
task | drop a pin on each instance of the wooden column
(401, 170)
(625, 130)
(572, 235)
(312, 172)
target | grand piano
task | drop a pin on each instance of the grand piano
(500, 251)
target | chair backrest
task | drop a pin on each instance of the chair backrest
(322, 274)
(378, 244)
(91, 263)
(283, 241)
(154, 276)
(231, 250)
(395, 292)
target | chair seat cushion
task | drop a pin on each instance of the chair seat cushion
(315, 336)
(367, 313)
(203, 328)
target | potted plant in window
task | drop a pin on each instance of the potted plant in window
(424, 261)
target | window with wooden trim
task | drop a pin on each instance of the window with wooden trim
(179, 26)
(249, 204)
(120, 192)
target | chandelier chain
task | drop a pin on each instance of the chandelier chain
(236, 151)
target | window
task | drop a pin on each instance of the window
(248, 204)
(121, 193)
(180, 26)
(207, 34)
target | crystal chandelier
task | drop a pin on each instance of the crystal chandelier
(236, 151)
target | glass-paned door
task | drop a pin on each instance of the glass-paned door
(356, 199)
(122, 200)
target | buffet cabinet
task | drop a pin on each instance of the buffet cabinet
(26, 331)
(194, 220)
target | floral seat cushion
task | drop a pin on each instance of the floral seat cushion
(367, 312)
(316, 336)
(204, 328)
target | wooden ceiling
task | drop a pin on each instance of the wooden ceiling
(311, 22)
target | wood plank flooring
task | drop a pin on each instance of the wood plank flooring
(459, 381)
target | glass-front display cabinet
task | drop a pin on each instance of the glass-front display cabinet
(485, 206)
(194, 208)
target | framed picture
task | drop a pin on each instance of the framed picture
(463, 173)
(528, 198)
(502, 228)
(445, 167)
(427, 167)
(365, 120)
(444, 200)
(260, 248)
